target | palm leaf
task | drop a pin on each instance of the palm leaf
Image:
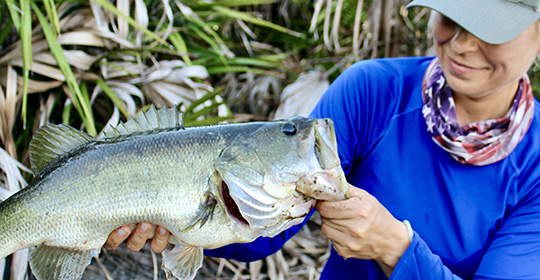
(300, 97)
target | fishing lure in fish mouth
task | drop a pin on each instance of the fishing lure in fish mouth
(209, 186)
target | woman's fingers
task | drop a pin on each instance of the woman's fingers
(139, 236)
(116, 237)
(359, 202)
(160, 240)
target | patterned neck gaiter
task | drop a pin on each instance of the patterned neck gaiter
(479, 143)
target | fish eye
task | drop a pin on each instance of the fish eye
(289, 129)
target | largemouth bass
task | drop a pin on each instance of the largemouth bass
(209, 186)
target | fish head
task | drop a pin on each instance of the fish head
(273, 175)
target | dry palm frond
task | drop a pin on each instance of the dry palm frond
(172, 82)
(125, 92)
(300, 97)
(11, 178)
(378, 29)
(356, 29)
(8, 105)
(331, 24)
(44, 111)
(253, 94)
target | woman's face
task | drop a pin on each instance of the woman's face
(475, 69)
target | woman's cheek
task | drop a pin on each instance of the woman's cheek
(443, 29)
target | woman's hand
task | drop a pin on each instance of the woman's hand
(139, 236)
(360, 227)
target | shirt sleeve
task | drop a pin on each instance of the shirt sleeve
(513, 253)
(418, 262)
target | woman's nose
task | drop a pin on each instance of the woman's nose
(463, 41)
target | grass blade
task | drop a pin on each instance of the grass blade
(255, 20)
(236, 3)
(209, 121)
(180, 45)
(50, 8)
(212, 44)
(203, 99)
(14, 14)
(26, 44)
(110, 93)
(81, 103)
(204, 111)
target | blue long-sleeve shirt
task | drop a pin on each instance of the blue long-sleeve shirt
(469, 221)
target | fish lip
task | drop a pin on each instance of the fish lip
(325, 144)
(327, 180)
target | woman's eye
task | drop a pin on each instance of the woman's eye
(289, 129)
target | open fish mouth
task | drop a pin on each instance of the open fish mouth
(260, 211)
(230, 204)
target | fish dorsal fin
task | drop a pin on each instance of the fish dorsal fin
(182, 262)
(148, 122)
(52, 141)
(52, 263)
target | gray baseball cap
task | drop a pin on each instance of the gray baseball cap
(492, 21)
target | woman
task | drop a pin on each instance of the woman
(450, 145)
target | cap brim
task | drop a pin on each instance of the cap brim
(492, 21)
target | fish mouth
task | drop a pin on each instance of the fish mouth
(230, 204)
(257, 209)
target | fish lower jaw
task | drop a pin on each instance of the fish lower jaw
(323, 185)
(288, 213)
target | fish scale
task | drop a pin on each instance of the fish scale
(153, 169)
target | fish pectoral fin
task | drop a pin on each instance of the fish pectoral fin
(182, 262)
(205, 213)
(58, 263)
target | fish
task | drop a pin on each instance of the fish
(209, 186)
